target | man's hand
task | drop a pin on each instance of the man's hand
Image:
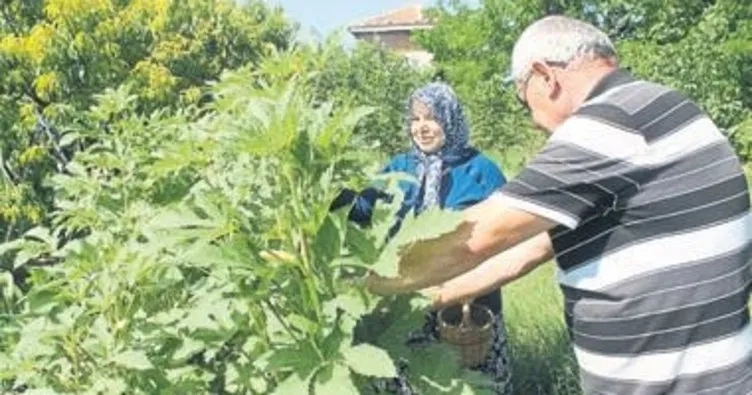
(493, 273)
(489, 229)
(437, 297)
(387, 286)
(434, 295)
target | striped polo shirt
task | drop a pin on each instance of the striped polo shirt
(653, 243)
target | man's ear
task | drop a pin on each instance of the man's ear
(543, 70)
(549, 78)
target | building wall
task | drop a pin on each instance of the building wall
(419, 58)
(399, 41)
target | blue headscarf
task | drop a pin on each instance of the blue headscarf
(447, 110)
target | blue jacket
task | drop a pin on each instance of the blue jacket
(465, 183)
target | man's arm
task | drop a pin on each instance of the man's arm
(493, 273)
(489, 229)
(568, 180)
(497, 227)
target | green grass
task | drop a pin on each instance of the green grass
(539, 347)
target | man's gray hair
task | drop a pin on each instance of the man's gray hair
(561, 39)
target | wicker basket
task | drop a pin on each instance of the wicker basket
(470, 328)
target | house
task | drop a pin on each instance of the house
(394, 30)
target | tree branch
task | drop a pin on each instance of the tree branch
(34, 97)
(7, 171)
(52, 135)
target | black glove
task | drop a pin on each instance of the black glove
(345, 198)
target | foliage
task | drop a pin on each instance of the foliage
(372, 76)
(709, 61)
(56, 55)
(472, 47)
(206, 260)
(701, 47)
(364, 75)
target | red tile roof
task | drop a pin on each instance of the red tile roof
(403, 18)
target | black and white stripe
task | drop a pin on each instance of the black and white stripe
(734, 379)
(627, 264)
(655, 242)
(617, 229)
(663, 332)
(648, 368)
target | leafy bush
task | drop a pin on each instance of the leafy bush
(206, 260)
(56, 55)
(371, 76)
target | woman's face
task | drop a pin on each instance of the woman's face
(426, 131)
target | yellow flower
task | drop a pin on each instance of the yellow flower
(32, 47)
(31, 154)
(170, 49)
(26, 114)
(79, 41)
(192, 95)
(60, 9)
(33, 213)
(156, 10)
(46, 84)
(10, 213)
(38, 42)
(12, 45)
(158, 78)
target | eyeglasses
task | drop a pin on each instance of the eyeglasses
(522, 90)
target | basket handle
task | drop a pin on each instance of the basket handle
(466, 320)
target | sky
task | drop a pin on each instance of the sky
(318, 18)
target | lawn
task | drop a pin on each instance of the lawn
(540, 351)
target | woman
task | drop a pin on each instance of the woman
(451, 175)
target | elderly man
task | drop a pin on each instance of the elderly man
(643, 203)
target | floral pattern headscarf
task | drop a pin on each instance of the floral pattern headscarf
(447, 110)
